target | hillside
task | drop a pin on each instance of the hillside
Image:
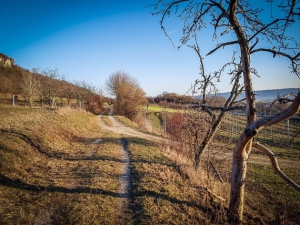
(61, 167)
(265, 95)
(72, 167)
(12, 77)
(12, 81)
(46, 87)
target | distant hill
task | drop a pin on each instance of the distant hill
(41, 88)
(265, 95)
(12, 80)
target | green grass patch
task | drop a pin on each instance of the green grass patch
(127, 122)
(153, 117)
(158, 108)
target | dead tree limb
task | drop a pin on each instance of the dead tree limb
(222, 109)
(275, 165)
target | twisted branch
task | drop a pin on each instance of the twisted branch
(275, 165)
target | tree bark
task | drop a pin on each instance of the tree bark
(275, 165)
(240, 157)
(241, 152)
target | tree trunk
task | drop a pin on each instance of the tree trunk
(243, 147)
(238, 176)
(208, 138)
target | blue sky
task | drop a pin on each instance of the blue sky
(92, 39)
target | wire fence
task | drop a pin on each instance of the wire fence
(285, 134)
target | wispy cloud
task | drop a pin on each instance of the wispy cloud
(168, 33)
(173, 31)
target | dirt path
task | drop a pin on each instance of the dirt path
(125, 187)
(118, 128)
(124, 191)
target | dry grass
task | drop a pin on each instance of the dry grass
(127, 122)
(268, 200)
(107, 121)
(60, 167)
(57, 167)
(163, 195)
(149, 123)
(269, 197)
(168, 193)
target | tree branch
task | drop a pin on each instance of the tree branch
(265, 27)
(224, 14)
(258, 125)
(275, 165)
(197, 19)
(281, 101)
(222, 45)
(291, 12)
(252, 47)
(165, 13)
(244, 99)
(293, 137)
(223, 109)
(277, 53)
(294, 64)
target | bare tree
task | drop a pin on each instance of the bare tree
(51, 85)
(83, 90)
(42, 89)
(67, 91)
(206, 85)
(129, 95)
(30, 87)
(88, 96)
(252, 34)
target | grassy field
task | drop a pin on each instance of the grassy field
(268, 197)
(55, 170)
(278, 136)
(61, 167)
(160, 194)
(158, 108)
